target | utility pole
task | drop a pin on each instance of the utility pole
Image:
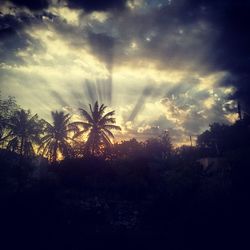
(239, 111)
(191, 141)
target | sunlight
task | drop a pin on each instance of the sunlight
(99, 16)
(123, 121)
(59, 155)
(71, 16)
(211, 81)
(61, 55)
(233, 117)
(209, 102)
(139, 84)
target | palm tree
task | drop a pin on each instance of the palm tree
(8, 107)
(57, 137)
(24, 130)
(98, 126)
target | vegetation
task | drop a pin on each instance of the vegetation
(56, 140)
(20, 132)
(7, 109)
(24, 130)
(98, 125)
(81, 186)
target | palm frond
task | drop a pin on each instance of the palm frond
(83, 124)
(115, 127)
(80, 133)
(102, 109)
(108, 120)
(87, 116)
(109, 114)
(109, 133)
(106, 139)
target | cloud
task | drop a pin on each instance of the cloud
(14, 36)
(32, 5)
(160, 64)
(204, 36)
(231, 45)
(97, 5)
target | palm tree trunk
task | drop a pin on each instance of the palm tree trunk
(20, 169)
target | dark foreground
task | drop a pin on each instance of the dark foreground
(92, 203)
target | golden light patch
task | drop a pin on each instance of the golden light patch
(59, 156)
(232, 117)
(59, 58)
(229, 90)
(210, 81)
(133, 45)
(173, 113)
(209, 102)
(99, 16)
(143, 129)
(184, 142)
(71, 16)
(135, 4)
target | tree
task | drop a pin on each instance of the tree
(216, 139)
(8, 107)
(98, 126)
(160, 147)
(56, 141)
(129, 149)
(24, 131)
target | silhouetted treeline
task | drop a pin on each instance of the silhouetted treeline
(142, 194)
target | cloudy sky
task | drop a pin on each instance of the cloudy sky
(175, 65)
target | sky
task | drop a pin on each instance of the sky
(175, 65)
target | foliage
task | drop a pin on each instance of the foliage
(57, 138)
(99, 126)
(221, 138)
(24, 132)
(7, 109)
(160, 147)
(131, 148)
(138, 188)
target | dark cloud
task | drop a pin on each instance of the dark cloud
(31, 4)
(97, 5)
(231, 50)
(201, 35)
(14, 38)
(167, 36)
(102, 45)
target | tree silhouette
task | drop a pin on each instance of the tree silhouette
(8, 107)
(160, 147)
(57, 137)
(129, 149)
(25, 130)
(98, 126)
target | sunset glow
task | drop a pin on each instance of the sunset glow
(156, 78)
(124, 123)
